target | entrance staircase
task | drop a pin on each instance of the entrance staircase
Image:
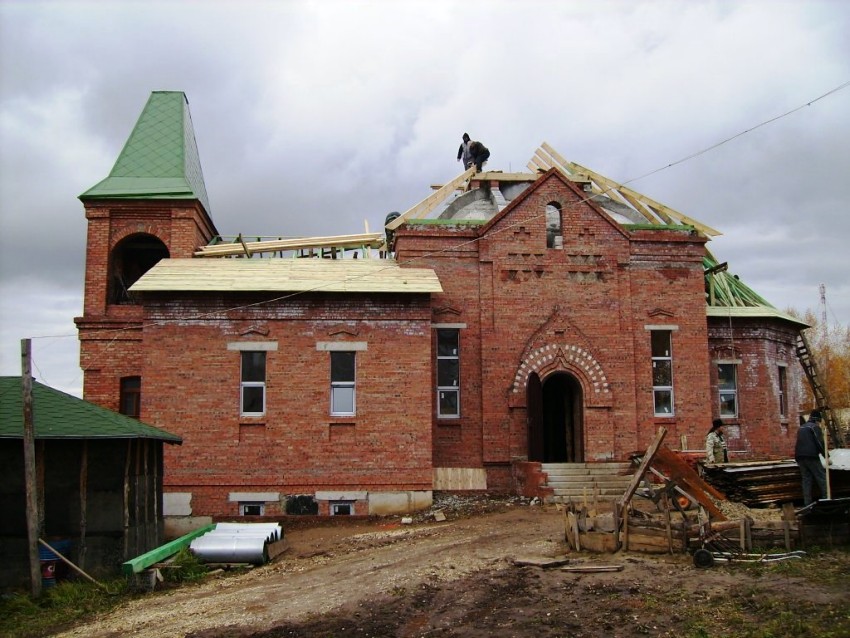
(575, 481)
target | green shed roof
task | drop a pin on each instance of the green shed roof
(160, 159)
(61, 416)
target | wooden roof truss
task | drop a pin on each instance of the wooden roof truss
(647, 208)
(333, 247)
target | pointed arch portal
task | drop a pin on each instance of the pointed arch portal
(555, 426)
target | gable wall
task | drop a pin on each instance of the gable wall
(588, 303)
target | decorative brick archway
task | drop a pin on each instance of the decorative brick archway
(563, 358)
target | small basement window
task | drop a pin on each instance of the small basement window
(342, 508)
(252, 509)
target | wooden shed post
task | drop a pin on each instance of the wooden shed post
(33, 531)
(84, 479)
(127, 499)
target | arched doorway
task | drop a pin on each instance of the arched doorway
(555, 428)
(131, 259)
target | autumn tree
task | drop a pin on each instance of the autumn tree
(830, 348)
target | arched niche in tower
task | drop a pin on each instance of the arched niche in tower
(131, 258)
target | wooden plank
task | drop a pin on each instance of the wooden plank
(541, 561)
(572, 523)
(681, 472)
(430, 203)
(277, 548)
(140, 563)
(370, 240)
(590, 569)
(644, 465)
(669, 532)
(603, 542)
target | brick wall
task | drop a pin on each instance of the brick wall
(760, 347)
(525, 312)
(191, 387)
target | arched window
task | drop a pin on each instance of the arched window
(554, 238)
(131, 259)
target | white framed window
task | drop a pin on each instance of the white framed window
(782, 391)
(662, 372)
(342, 508)
(343, 383)
(448, 373)
(248, 508)
(253, 383)
(554, 237)
(727, 385)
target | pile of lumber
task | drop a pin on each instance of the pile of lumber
(762, 483)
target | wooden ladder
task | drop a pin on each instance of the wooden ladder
(804, 354)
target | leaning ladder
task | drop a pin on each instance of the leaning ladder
(804, 354)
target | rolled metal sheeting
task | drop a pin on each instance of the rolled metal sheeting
(236, 543)
(274, 529)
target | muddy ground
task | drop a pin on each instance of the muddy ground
(350, 577)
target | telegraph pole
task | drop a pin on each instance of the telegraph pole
(29, 467)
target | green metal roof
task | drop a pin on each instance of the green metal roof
(724, 289)
(160, 159)
(727, 296)
(61, 416)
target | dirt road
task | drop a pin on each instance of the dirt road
(452, 578)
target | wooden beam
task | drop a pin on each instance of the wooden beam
(84, 479)
(430, 203)
(126, 512)
(154, 556)
(642, 469)
(70, 564)
(372, 240)
(637, 200)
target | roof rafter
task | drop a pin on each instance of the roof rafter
(648, 207)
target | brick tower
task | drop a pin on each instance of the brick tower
(153, 205)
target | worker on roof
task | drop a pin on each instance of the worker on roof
(479, 154)
(808, 452)
(715, 444)
(463, 152)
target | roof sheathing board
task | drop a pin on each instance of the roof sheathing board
(287, 275)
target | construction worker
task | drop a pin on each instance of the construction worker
(479, 154)
(807, 453)
(715, 445)
(463, 151)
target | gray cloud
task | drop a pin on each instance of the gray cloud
(313, 117)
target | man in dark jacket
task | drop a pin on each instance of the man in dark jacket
(480, 154)
(463, 152)
(807, 453)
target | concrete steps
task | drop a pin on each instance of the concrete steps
(578, 480)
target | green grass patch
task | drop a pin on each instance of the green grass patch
(59, 607)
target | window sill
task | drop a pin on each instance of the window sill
(252, 421)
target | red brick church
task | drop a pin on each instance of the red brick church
(507, 320)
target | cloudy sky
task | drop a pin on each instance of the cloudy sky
(313, 118)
